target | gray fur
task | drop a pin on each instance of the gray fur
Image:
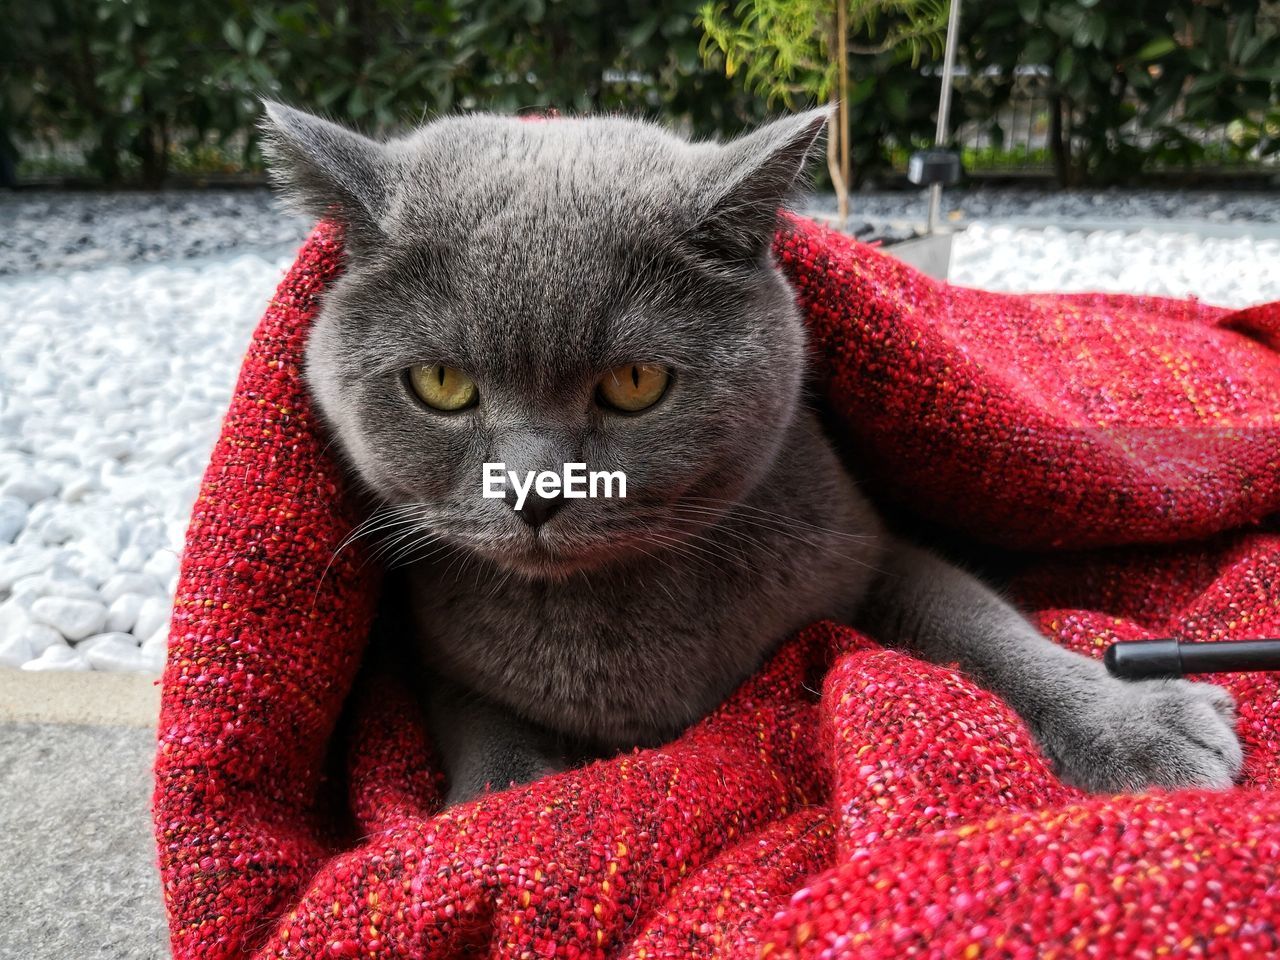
(536, 256)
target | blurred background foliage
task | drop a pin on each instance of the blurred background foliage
(147, 89)
(1130, 83)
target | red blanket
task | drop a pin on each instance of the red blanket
(844, 802)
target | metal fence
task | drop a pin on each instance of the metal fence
(1017, 137)
(1011, 140)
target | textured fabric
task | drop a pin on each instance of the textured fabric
(845, 801)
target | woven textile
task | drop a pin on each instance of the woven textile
(845, 801)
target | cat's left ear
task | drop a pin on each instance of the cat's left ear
(326, 170)
(750, 178)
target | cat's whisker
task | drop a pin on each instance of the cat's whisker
(778, 524)
(722, 549)
(707, 558)
(408, 542)
(392, 529)
(666, 564)
(781, 530)
(498, 582)
(391, 546)
(381, 519)
(731, 505)
(377, 520)
(413, 557)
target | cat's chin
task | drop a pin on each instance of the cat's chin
(539, 560)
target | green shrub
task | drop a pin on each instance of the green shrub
(789, 52)
(147, 86)
(1129, 80)
(140, 82)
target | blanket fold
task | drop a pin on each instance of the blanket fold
(845, 801)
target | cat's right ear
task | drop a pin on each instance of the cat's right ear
(750, 179)
(327, 171)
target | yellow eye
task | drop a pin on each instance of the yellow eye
(634, 386)
(443, 388)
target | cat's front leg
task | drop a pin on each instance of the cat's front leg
(1102, 734)
(484, 746)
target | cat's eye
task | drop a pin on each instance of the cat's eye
(633, 387)
(443, 388)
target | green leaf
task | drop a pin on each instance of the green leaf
(1039, 49)
(356, 106)
(253, 42)
(640, 34)
(1264, 74)
(1066, 65)
(860, 90)
(1029, 10)
(1242, 33)
(234, 35)
(1064, 22)
(1207, 81)
(1249, 52)
(1155, 49)
(896, 101)
(1163, 102)
(1092, 30)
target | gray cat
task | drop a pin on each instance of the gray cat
(600, 291)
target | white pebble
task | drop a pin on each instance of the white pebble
(93, 565)
(83, 647)
(117, 652)
(1231, 271)
(153, 615)
(15, 650)
(106, 443)
(132, 560)
(74, 619)
(123, 612)
(19, 563)
(40, 637)
(76, 490)
(153, 658)
(30, 488)
(50, 584)
(13, 617)
(128, 582)
(158, 639)
(164, 565)
(13, 517)
(58, 657)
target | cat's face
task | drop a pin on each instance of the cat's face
(539, 293)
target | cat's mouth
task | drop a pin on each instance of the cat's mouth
(546, 555)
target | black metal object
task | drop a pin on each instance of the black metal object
(927, 167)
(1138, 659)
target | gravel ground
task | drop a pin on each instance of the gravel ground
(1229, 271)
(117, 372)
(967, 206)
(64, 231)
(114, 383)
(59, 231)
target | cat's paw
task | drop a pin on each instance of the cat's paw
(1151, 733)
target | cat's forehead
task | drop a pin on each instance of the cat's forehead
(548, 243)
(468, 171)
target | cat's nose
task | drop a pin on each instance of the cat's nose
(536, 509)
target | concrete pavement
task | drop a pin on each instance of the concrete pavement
(77, 860)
